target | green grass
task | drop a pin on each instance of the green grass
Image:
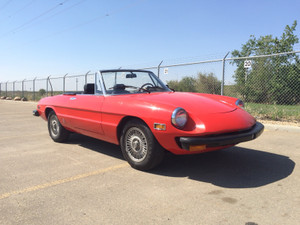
(289, 113)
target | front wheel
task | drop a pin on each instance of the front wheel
(56, 131)
(139, 146)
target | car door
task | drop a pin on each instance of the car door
(82, 113)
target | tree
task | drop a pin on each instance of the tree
(173, 84)
(208, 83)
(270, 79)
(42, 92)
(187, 84)
(205, 83)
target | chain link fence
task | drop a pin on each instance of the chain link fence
(38, 88)
(268, 84)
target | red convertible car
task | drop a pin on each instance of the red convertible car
(134, 109)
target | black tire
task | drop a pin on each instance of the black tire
(56, 131)
(139, 146)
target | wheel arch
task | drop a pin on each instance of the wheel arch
(124, 121)
(140, 159)
(47, 111)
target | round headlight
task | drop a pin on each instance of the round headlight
(179, 117)
(240, 103)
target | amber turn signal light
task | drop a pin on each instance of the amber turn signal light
(194, 148)
(159, 126)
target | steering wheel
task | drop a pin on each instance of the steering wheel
(146, 84)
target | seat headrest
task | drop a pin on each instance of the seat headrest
(119, 87)
(89, 88)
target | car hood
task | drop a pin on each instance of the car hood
(191, 102)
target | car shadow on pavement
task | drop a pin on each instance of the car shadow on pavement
(96, 145)
(235, 167)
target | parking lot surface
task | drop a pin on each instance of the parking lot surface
(87, 181)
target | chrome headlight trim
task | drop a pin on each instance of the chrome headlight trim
(179, 118)
(240, 103)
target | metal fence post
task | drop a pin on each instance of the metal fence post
(33, 88)
(223, 74)
(158, 68)
(6, 89)
(64, 83)
(14, 88)
(85, 77)
(23, 88)
(47, 80)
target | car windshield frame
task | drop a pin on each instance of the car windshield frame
(154, 83)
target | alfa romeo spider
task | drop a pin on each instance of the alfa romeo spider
(136, 110)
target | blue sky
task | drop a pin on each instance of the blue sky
(41, 38)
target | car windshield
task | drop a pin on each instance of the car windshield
(118, 82)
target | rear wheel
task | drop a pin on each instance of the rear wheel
(56, 131)
(139, 146)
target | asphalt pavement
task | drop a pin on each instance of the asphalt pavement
(87, 181)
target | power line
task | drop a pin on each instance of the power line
(34, 19)
(21, 9)
(47, 18)
(5, 4)
(64, 10)
(84, 23)
(95, 19)
(89, 21)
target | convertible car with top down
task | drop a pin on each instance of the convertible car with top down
(136, 110)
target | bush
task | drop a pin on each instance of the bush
(204, 83)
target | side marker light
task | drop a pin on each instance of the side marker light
(194, 148)
(160, 126)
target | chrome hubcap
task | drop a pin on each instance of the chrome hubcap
(136, 144)
(54, 126)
